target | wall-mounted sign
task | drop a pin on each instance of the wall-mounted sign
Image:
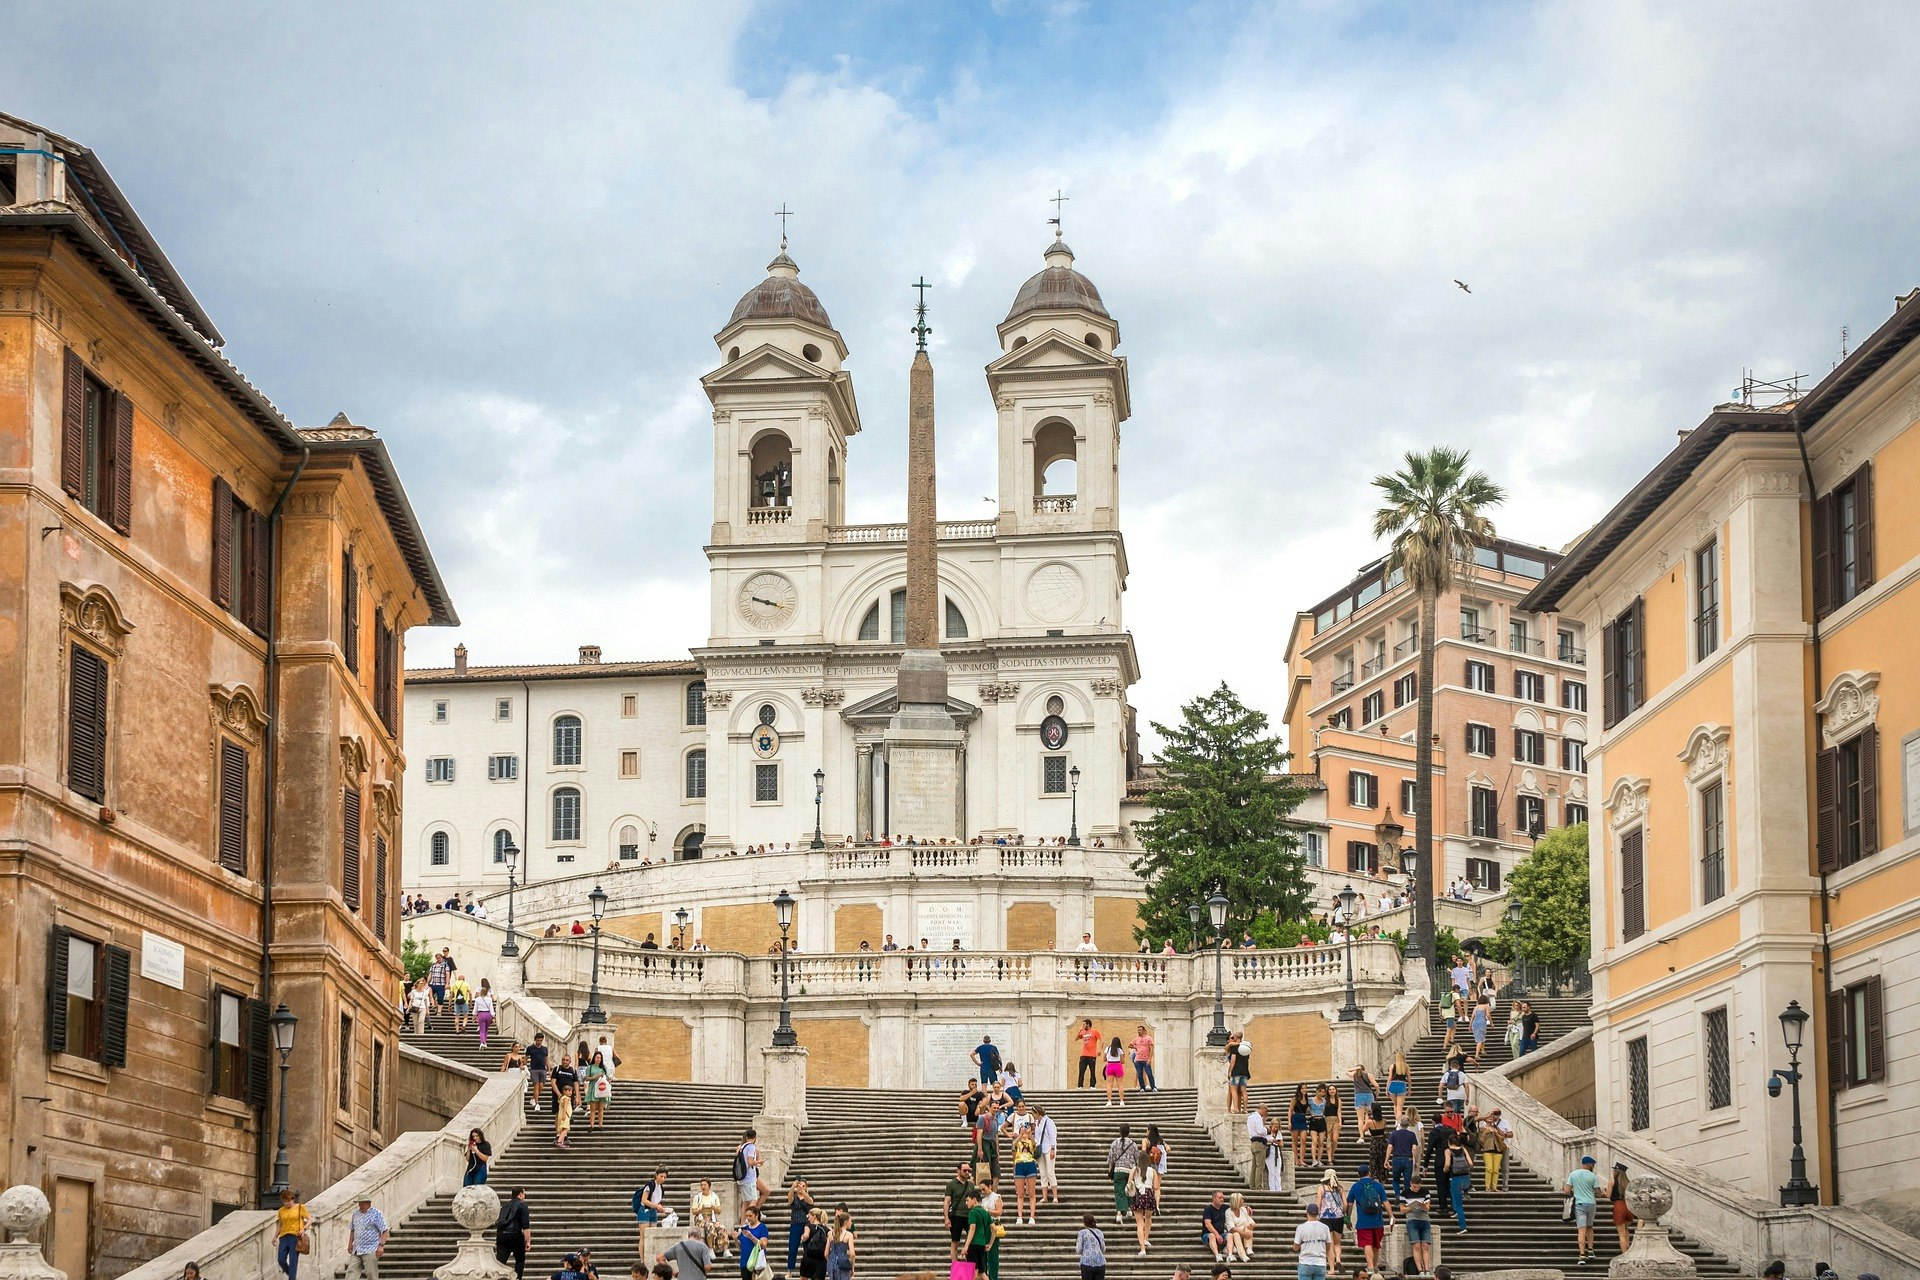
(163, 960)
(1053, 733)
(766, 741)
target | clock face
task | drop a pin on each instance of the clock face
(767, 601)
(1055, 592)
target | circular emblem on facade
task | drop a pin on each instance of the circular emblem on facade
(766, 741)
(767, 600)
(1053, 733)
(1055, 592)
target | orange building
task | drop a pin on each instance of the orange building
(201, 617)
(1757, 598)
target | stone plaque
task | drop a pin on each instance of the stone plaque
(941, 922)
(1910, 770)
(163, 960)
(946, 1051)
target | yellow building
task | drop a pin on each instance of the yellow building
(1757, 765)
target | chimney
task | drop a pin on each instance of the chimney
(459, 659)
(589, 654)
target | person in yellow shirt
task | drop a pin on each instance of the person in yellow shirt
(461, 993)
(294, 1223)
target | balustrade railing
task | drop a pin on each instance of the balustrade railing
(1053, 504)
(769, 515)
(898, 532)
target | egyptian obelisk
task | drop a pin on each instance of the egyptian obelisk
(923, 746)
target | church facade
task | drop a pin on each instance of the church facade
(782, 713)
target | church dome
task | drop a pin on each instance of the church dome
(1057, 288)
(781, 296)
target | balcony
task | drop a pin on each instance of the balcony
(1477, 635)
(1576, 656)
(1053, 504)
(1373, 667)
(1410, 645)
(1342, 683)
(945, 530)
(769, 515)
(1527, 645)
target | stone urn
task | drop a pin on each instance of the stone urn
(23, 1210)
(1652, 1254)
(476, 1208)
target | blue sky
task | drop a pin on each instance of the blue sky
(504, 236)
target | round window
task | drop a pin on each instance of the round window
(766, 713)
(1056, 705)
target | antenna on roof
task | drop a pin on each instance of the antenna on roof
(1758, 393)
(783, 213)
(1843, 346)
(1060, 197)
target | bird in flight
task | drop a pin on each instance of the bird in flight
(1463, 286)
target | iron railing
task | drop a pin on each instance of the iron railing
(1477, 635)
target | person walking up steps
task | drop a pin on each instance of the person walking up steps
(1122, 1154)
(1398, 1078)
(483, 1010)
(1046, 1139)
(1089, 1038)
(1143, 1195)
(1093, 1250)
(1584, 1187)
(1311, 1240)
(1115, 1074)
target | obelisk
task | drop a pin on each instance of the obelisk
(923, 746)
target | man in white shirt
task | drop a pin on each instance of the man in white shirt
(1086, 943)
(1310, 1240)
(1262, 1153)
(479, 911)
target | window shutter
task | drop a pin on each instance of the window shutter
(1837, 1074)
(1639, 656)
(1493, 875)
(259, 1052)
(1822, 556)
(213, 1041)
(349, 612)
(1876, 1033)
(233, 807)
(380, 887)
(1609, 680)
(1826, 792)
(350, 848)
(113, 1038)
(73, 428)
(1633, 915)
(122, 479)
(87, 725)
(259, 572)
(1868, 747)
(1863, 526)
(222, 543)
(57, 986)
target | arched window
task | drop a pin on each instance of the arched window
(629, 842)
(566, 815)
(733, 353)
(697, 702)
(956, 622)
(690, 847)
(696, 774)
(770, 472)
(1054, 465)
(502, 841)
(870, 625)
(1093, 340)
(897, 607)
(566, 741)
(440, 849)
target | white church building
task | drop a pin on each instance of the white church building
(588, 763)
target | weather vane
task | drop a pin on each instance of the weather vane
(783, 213)
(1060, 197)
(920, 330)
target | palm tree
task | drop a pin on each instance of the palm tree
(1434, 510)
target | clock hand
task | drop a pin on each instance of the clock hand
(770, 604)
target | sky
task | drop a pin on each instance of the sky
(503, 236)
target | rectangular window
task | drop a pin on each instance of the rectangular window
(1518, 637)
(1484, 873)
(1719, 1060)
(1363, 858)
(1706, 600)
(1530, 815)
(1573, 695)
(440, 711)
(1633, 894)
(230, 1045)
(1624, 663)
(1406, 689)
(566, 815)
(697, 703)
(1409, 792)
(241, 556)
(1847, 795)
(1713, 842)
(1529, 686)
(1639, 1086)
(1316, 847)
(897, 618)
(766, 783)
(1341, 719)
(696, 775)
(379, 1083)
(1573, 755)
(349, 601)
(1843, 551)
(629, 705)
(629, 764)
(1484, 813)
(345, 1098)
(503, 708)
(87, 723)
(1529, 746)
(1363, 790)
(1053, 775)
(1569, 648)
(1470, 627)
(439, 768)
(96, 449)
(233, 807)
(503, 768)
(1372, 707)
(1857, 1034)
(1480, 677)
(81, 999)
(1479, 739)
(1576, 814)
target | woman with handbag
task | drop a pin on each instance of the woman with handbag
(598, 1082)
(1143, 1195)
(840, 1253)
(1623, 1218)
(294, 1223)
(1330, 1203)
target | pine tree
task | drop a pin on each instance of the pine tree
(1220, 818)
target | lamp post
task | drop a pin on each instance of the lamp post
(1217, 909)
(1350, 1011)
(819, 789)
(593, 1013)
(1793, 1027)
(680, 919)
(1073, 794)
(783, 1036)
(511, 947)
(1514, 911)
(281, 1022)
(1193, 928)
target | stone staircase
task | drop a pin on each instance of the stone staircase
(461, 1046)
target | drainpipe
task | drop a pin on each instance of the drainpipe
(271, 772)
(1826, 927)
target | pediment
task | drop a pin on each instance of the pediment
(764, 362)
(1052, 350)
(874, 712)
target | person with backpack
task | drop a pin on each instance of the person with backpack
(1372, 1216)
(513, 1232)
(746, 1174)
(987, 1057)
(1452, 1093)
(1459, 1176)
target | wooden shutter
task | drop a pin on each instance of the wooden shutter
(1826, 792)
(1838, 1076)
(1633, 913)
(213, 1041)
(57, 987)
(113, 1037)
(120, 509)
(1639, 657)
(1867, 747)
(380, 887)
(87, 724)
(233, 807)
(349, 612)
(222, 543)
(350, 848)
(259, 1052)
(1823, 509)
(1876, 1031)
(73, 428)
(1863, 528)
(1609, 673)
(259, 576)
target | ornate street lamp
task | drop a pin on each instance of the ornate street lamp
(281, 1022)
(593, 1013)
(1217, 909)
(1793, 1027)
(1073, 793)
(1514, 912)
(783, 1035)
(1350, 1011)
(819, 789)
(1193, 928)
(511, 947)
(680, 919)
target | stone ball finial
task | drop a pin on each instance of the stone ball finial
(23, 1209)
(1650, 1197)
(477, 1207)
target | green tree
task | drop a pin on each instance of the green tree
(1220, 817)
(414, 958)
(1434, 510)
(1555, 912)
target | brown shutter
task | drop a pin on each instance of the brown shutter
(1826, 804)
(1837, 1074)
(380, 887)
(1822, 556)
(1867, 747)
(1639, 656)
(1633, 912)
(1863, 527)
(121, 508)
(213, 1041)
(1609, 670)
(57, 987)
(259, 1050)
(222, 543)
(73, 428)
(233, 807)
(349, 612)
(1876, 1032)
(350, 848)
(87, 724)
(259, 577)
(113, 1038)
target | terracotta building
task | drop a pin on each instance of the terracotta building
(201, 618)
(1754, 602)
(1510, 717)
